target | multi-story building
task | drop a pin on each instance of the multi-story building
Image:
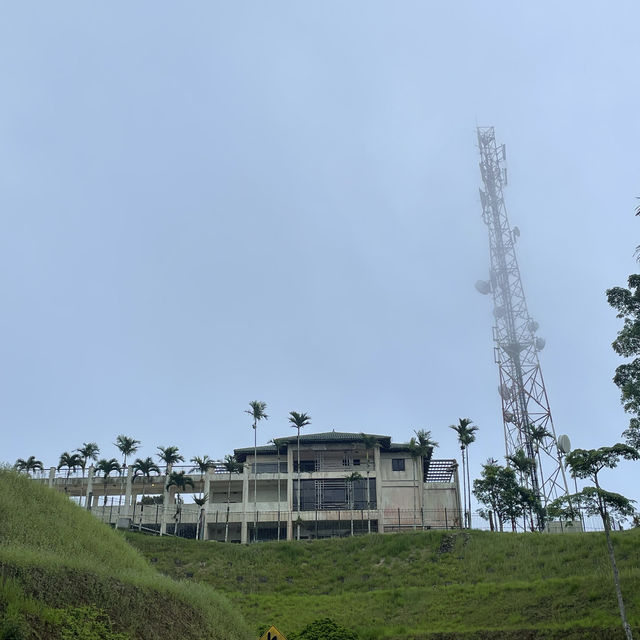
(345, 483)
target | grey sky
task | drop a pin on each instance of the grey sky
(207, 203)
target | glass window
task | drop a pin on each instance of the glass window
(397, 464)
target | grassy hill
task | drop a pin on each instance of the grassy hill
(65, 575)
(422, 585)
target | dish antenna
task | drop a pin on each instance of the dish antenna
(564, 444)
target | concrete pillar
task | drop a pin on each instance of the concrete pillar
(378, 473)
(165, 502)
(290, 501)
(127, 496)
(245, 503)
(89, 487)
(52, 476)
(207, 489)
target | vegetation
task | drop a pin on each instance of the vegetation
(422, 585)
(466, 435)
(28, 465)
(298, 421)
(66, 575)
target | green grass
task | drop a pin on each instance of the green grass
(420, 585)
(63, 574)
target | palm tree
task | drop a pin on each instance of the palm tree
(88, 451)
(202, 465)
(169, 455)
(349, 480)
(70, 460)
(107, 467)
(179, 480)
(299, 421)
(257, 413)
(278, 442)
(466, 436)
(231, 465)
(127, 446)
(525, 466)
(144, 468)
(420, 447)
(369, 443)
(28, 465)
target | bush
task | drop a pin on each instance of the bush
(325, 629)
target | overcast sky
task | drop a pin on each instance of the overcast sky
(208, 203)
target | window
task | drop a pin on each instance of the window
(397, 464)
(356, 462)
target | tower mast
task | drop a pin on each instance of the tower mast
(526, 415)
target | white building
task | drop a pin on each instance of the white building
(345, 488)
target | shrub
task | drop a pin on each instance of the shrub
(325, 629)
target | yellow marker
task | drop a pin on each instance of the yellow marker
(272, 634)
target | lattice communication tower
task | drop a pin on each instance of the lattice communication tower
(528, 425)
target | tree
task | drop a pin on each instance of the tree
(349, 480)
(169, 455)
(299, 421)
(524, 466)
(466, 435)
(498, 489)
(257, 412)
(127, 446)
(107, 467)
(29, 465)
(587, 464)
(144, 468)
(70, 460)
(420, 447)
(88, 451)
(369, 443)
(179, 480)
(202, 465)
(231, 465)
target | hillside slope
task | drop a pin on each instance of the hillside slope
(420, 585)
(65, 573)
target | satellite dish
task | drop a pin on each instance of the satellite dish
(483, 286)
(564, 444)
(498, 312)
(540, 342)
(516, 232)
(533, 326)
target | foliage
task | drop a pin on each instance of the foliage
(170, 455)
(127, 446)
(61, 567)
(202, 464)
(257, 411)
(70, 460)
(88, 451)
(325, 629)
(145, 467)
(402, 585)
(179, 480)
(590, 501)
(28, 465)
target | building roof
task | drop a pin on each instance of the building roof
(311, 438)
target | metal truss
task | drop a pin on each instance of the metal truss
(525, 407)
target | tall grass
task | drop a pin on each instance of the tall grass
(59, 556)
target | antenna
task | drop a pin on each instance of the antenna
(525, 407)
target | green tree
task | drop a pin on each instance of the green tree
(525, 466)
(88, 451)
(369, 443)
(170, 455)
(587, 464)
(420, 448)
(231, 465)
(180, 481)
(127, 447)
(144, 468)
(28, 465)
(71, 461)
(107, 467)
(298, 421)
(257, 412)
(202, 465)
(498, 489)
(466, 435)
(349, 480)
(325, 629)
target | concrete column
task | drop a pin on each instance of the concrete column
(290, 502)
(127, 495)
(207, 489)
(165, 502)
(378, 474)
(52, 476)
(246, 479)
(89, 487)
